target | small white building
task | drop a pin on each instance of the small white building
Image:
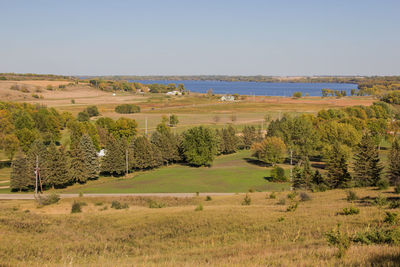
(101, 153)
(174, 93)
(227, 98)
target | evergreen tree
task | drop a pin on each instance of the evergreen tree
(394, 163)
(249, 136)
(318, 179)
(228, 140)
(38, 152)
(84, 161)
(114, 161)
(22, 177)
(303, 176)
(166, 143)
(145, 154)
(367, 167)
(338, 173)
(57, 172)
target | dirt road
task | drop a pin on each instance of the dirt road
(31, 196)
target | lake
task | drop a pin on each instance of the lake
(256, 88)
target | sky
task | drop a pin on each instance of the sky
(220, 37)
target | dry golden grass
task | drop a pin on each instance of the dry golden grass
(225, 233)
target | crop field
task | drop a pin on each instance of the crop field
(221, 233)
(229, 173)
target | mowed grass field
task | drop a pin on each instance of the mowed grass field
(224, 233)
(229, 173)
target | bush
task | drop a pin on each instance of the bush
(118, 206)
(251, 190)
(127, 109)
(246, 200)
(49, 199)
(292, 195)
(383, 184)
(391, 217)
(98, 204)
(83, 116)
(297, 94)
(208, 198)
(199, 208)
(278, 174)
(379, 201)
(350, 211)
(76, 207)
(340, 240)
(92, 111)
(272, 195)
(394, 204)
(72, 101)
(281, 201)
(378, 235)
(351, 196)
(155, 205)
(35, 95)
(49, 87)
(304, 196)
(397, 189)
(292, 207)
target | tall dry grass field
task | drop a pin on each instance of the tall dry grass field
(223, 233)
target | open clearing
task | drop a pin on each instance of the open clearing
(224, 233)
(229, 173)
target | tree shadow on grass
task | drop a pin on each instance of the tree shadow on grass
(257, 162)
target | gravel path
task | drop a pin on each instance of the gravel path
(30, 196)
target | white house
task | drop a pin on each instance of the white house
(174, 93)
(227, 98)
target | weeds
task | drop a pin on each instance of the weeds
(339, 240)
(118, 206)
(281, 201)
(292, 207)
(246, 200)
(351, 196)
(292, 195)
(272, 195)
(380, 201)
(156, 205)
(394, 204)
(349, 211)
(391, 217)
(199, 208)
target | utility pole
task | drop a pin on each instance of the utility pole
(145, 122)
(36, 175)
(126, 162)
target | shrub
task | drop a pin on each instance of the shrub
(278, 174)
(76, 207)
(319, 187)
(397, 189)
(72, 101)
(199, 208)
(49, 199)
(378, 235)
(351, 196)
(281, 219)
(127, 109)
(92, 111)
(49, 87)
(35, 95)
(394, 204)
(251, 190)
(350, 211)
(391, 217)
(246, 201)
(155, 205)
(83, 116)
(98, 204)
(80, 194)
(208, 198)
(340, 240)
(292, 207)
(304, 196)
(272, 195)
(383, 184)
(379, 201)
(118, 206)
(292, 195)
(297, 94)
(24, 89)
(281, 201)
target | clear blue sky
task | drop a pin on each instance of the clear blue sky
(352, 37)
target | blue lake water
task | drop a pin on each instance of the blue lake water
(256, 88)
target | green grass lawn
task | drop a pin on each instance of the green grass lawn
(230, 173)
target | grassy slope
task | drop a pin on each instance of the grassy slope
(225, 233)
(230, 173)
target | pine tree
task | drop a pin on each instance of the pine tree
(228, 140)
(249, 136)
(367, 167)
(57, 172)
(22, 177)
(114, 161)
(338, 173)
(145, 154)
(394, 163)
(166, 143)
(303, 176)
(90, 157)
